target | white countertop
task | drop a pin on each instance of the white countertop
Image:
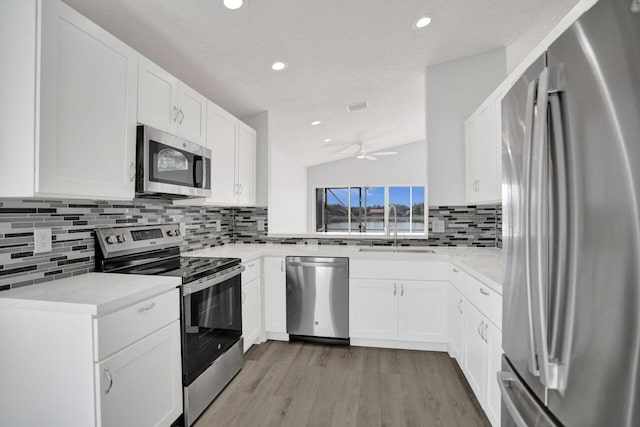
(485, 264)
(95, 293)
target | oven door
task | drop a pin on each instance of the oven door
(211, 321)
(171, 166)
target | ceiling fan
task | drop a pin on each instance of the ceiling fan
(362, 153)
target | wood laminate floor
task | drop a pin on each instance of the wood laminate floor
(304, 384)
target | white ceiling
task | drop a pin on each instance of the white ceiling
(339, 52)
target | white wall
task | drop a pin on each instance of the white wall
(453, 91)
(407, 167)
(260, 122)
(287, 212)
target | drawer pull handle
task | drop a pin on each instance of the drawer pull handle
(395, 289)
(146, 307)
(110, 378)
(455, 270)
(484, 292)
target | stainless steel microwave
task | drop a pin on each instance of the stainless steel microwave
(169, 167)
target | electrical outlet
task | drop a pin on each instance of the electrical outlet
(218, 226)
(183, 228)
(261, 225)
(437, 226)
(42, 240)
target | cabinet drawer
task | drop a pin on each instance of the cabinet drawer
(399, 270)
(117, 330)
(485, 299)
(252, 270)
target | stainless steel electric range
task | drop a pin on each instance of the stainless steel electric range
(211, 307)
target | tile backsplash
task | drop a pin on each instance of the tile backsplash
(72, 223)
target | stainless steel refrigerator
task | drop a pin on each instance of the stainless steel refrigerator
(571, 205)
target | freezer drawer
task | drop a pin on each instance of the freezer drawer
(520, 408)
(318, 297)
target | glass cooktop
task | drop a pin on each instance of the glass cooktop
(189, 268)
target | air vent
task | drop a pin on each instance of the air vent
(357, 106)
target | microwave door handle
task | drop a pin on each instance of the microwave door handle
(197, 181)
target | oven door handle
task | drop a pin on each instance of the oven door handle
(208, 282)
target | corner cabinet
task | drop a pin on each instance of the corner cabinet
(483, 145)
(81, 110)
(167, 104)
(233, 163)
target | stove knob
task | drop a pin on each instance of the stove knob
(122, 238)
(111, 239)
(170, 233)
(176, 232)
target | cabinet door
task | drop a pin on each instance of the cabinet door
(221, 140)
(142, 384)
(471, 153)
(246, 173)
(275, 299)
(492, 403)
(251, 313)
(485, 158)
(456, 325)
(423, 311)
(192, 114)
(373, 308)
(475, 354)
(88, 91)
(157, 97)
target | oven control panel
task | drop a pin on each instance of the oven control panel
(117, 241)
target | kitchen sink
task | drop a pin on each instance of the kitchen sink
(400, 249)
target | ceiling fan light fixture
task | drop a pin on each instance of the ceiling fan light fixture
(361, 156)
(233, 4)
(327, 140)
(315, 122)
(422, 22)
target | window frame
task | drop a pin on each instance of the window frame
(387, 230)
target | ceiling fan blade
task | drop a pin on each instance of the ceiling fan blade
(384, 153)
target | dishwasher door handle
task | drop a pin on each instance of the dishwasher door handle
(316, 264)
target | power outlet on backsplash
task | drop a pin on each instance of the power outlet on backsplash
(218, 226)
(437, 226)
(183, 228)
(260, 225)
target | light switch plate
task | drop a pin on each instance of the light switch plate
(261, 225)
(183, 228)
(42, 240)
(218, 226)
(437, 226)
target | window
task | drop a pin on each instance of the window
(365, 210)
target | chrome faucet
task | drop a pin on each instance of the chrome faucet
(395, 225)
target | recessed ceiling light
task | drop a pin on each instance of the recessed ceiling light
(327, 140)
(279, 66)
(315, 122)
(422, 22)
(233, 4)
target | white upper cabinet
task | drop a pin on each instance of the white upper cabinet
(167, 104)
(157, 97)
(192, 111)
(222, 129)
(482, 154)
(85, 146)
(246, 165)
(233, 162)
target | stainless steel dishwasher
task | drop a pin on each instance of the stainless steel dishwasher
(318, 299)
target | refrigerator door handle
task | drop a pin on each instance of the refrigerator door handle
(529, 121)
(540, 172)
(506, 381)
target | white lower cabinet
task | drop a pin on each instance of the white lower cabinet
(142, 384)
(251, 313)
(275, 297)
(474, 312)
(373, 308)
(457, 308)
(403, 310)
